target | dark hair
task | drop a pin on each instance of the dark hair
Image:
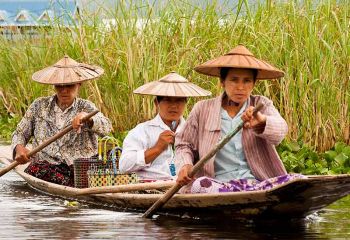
(224, 72)
(159, 98)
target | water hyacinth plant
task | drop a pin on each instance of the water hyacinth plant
(141, 42)
(301, 158)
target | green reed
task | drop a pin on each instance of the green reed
(311, 43)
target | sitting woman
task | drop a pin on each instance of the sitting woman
(250, 156)
(48, 115)
(148, 149)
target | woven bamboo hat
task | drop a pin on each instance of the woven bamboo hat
(172, 85)
(239, 57)
(67, 71)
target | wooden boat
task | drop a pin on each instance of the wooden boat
(295, 199)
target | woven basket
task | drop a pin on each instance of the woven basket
(110, 175)
(81, 167)
(96, 179)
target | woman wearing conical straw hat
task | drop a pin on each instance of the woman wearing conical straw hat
(48, 115)
(148, 148)
(249, 161)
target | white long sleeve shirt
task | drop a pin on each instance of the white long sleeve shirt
(144, 136)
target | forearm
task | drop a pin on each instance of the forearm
(184, 156)
(152, 153)
(15, 150)
(275, 127)
(18, 139)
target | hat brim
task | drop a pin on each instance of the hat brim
(157, 88)
(265, 70)
(54, 75)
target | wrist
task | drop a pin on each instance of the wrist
(18, 148)
(160, 147)
(187, 167)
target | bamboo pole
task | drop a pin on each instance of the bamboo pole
(125, 188)
(46, 143)
(166, 197)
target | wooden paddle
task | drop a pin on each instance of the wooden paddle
(46, 143)
(125, 188)
(160, 202)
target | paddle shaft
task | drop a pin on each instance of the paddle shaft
(196, 167)
(46, 143)
(125, 188)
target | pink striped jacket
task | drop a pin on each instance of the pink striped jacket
(202, 131)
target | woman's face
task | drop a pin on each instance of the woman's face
(67, 93)
(171, 108)
(238, 84)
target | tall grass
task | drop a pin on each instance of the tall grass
(310, 42)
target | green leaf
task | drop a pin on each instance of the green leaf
(313, 156)
(339, 147)
(341, 158)
(330, 155)
(301, 155)
(318, 166)
(309, 164)
(346, 151)
(294, 146)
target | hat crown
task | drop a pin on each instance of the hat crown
(173, 77)
(172, 85)
(240, 50)
(67, 71)
(239, 57)
(66, 62)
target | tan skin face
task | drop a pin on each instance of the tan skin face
(171, 109)
(238, 84)
(66, 94)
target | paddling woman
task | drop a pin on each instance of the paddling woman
(250, 156)
(48, 115)
(148, 148)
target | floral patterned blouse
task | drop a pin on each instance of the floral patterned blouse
(41, 122)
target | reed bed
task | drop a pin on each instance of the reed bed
(309, 41)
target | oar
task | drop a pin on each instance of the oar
(160, 202)
(125, 188)
(46, 143)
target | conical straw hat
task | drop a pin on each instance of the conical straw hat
(239, 57)
(67, 71)
(172, 85)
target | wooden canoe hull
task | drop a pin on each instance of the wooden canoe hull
(295, 199)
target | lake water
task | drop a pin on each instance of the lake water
(28, 214)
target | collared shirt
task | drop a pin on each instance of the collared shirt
(144, 136)
(230, 162)
(43, 120)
